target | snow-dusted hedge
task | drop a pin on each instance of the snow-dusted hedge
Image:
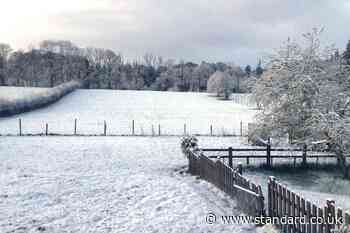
(25, 104)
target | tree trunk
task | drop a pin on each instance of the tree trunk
(342, 163)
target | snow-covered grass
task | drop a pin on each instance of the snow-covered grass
(118, 108)
(15, 100)
(112, 184)
(127, 184)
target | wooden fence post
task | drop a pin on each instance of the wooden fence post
(230, 164)
(20, 126)
(211, 130)
(153, 133)
(159, 133)
(104, 128)
(330, 215)
(271, 196)
(47, 129)
(75, 126)
(268, 153)
(185, 130)
(240, 168)
(304, 155)
(133, 127)
(241, 127)
(261, 202)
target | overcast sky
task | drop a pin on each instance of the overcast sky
(237, 31)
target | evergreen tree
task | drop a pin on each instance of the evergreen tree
(248, 70)
(346, 54)
(259, 70)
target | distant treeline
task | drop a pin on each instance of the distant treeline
(57, 62)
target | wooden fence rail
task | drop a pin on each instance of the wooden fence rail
(305, 154)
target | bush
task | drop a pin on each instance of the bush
(9, 108)
(189, 143)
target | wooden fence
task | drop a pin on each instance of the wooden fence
(293, 212)
(266, 154)
(283, 202)
(248, 195)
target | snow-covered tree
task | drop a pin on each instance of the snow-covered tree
(346, 54)
(221, 83)
(5, 50)
(306, 96)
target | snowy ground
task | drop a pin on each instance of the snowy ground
(112, 184)
(118, 108)
(126, 184)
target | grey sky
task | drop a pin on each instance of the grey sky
(221, 30)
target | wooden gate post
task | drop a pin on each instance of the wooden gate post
(268, 153)
(230, 164)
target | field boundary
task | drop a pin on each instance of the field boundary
(155, 130)
(52, 95)
(293, 212)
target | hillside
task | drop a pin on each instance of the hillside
(118, 108)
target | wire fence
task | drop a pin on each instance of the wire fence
(126, 128)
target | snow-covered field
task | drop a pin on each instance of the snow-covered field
(126, 184)
(110, 184)
(118, 108)
(123, 184)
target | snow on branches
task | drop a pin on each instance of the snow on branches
(305, 94)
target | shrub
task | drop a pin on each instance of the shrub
(189, 143)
